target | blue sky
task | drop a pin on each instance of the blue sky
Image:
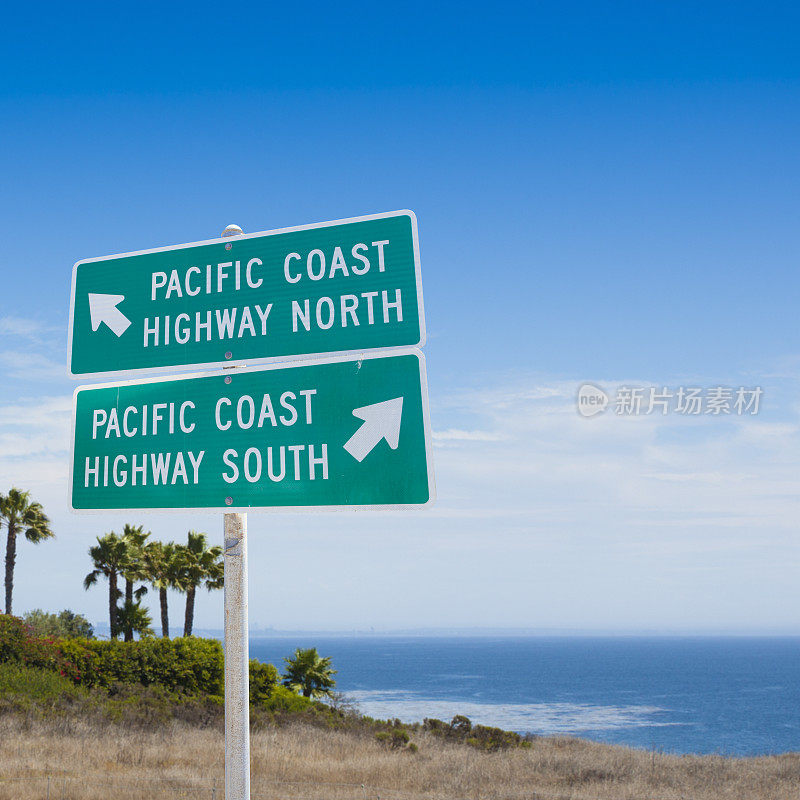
(604, 194)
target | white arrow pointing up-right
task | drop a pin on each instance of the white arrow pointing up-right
(381, 421)
(103, 308)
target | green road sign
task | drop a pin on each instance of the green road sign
(342, 432)
(334, 287)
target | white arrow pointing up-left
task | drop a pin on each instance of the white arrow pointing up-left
(103, 308)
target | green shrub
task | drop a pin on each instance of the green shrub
(18, 682)
(13, 634)
(188, 665)
(396, 738)
(483, 737)
(486, 738)
(435, 726)
(18, 645)
(185, 666)
(65, 625)
(137, 705)
(263, 681)
(78, 662)
(285, 700)
(460, 726)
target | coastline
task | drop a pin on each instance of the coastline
(682, 695)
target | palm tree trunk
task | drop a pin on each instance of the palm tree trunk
(112, 603)
(162, 596)
(11, 559)
(128, 603)
(187, 623)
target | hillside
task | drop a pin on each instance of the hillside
(141, 743)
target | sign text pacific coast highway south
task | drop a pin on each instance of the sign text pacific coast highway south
(340, 432)
(334, 287)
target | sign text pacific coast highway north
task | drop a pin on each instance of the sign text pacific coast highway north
(328, 288)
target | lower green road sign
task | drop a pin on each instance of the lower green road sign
(331, 433)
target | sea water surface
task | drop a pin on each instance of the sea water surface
(738, 696)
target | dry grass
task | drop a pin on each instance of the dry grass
(92, 761)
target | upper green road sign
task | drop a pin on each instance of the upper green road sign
(334, 287)
(342, 432)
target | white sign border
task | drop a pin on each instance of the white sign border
(336, 359)
(262, 359)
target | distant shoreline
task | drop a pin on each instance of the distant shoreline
(480, 633)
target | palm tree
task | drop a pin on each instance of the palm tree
(134, 617)
(308, 673)
(134, 537)
(20, 515)
(110, 559)
(197, 565)
(161, 565)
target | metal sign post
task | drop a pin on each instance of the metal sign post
(237, 649)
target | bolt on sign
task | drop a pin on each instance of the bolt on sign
(339, 432)
(333, 287)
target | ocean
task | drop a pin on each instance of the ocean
(734, 696)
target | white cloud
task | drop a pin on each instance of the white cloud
(34, 445)
(27, 328)
(28, 366)
(35, 363)
(456, 435)
(528, 451)
(38, 413)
